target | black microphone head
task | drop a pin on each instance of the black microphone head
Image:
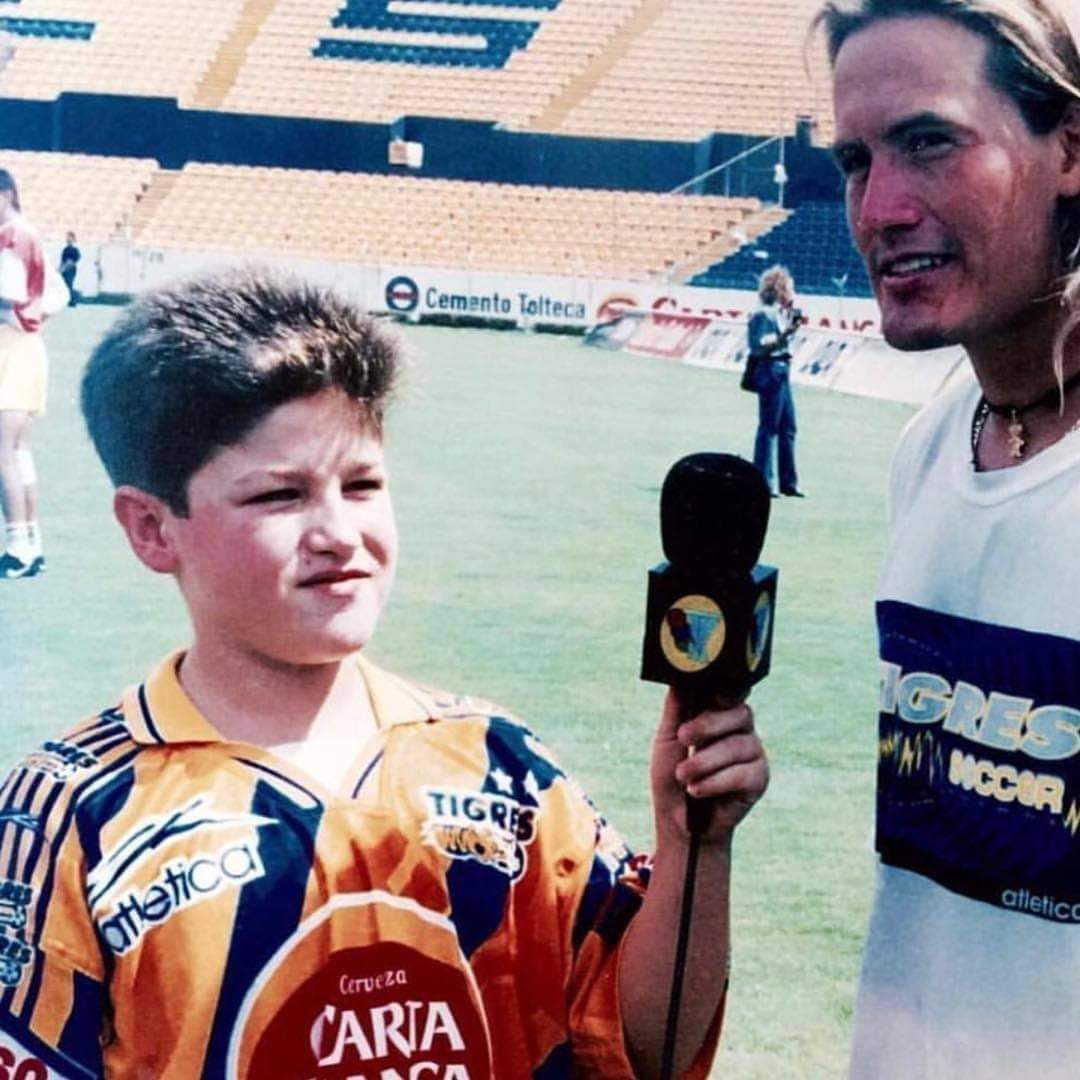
(714, 509)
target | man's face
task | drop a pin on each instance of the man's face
(950, 198)
(288, 549)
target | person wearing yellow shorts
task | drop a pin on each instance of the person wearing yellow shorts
(23, 372)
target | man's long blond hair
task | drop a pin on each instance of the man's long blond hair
(1034, 58)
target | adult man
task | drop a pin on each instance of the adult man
(769, 330)
(958, 132)
(69, 266)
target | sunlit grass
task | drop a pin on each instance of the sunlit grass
(526, 472)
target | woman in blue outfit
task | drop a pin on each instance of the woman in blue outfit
(770, 329)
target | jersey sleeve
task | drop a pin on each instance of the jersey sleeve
(603, 893)
(604, 903)
(52, 1004)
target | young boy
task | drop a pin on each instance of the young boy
(273, 859)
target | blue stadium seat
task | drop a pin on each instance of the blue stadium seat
(502, 36)
(48, 28)
(813, 243)
(544, 5)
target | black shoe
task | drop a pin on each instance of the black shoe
(11, 568)
(794, 493)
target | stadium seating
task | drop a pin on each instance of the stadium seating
(813, 243)
(94, 197)
(48, 28)
(153, 49)
(700, 66)
(674, 70)
(667, 69)
(351, 216)
(590, 67)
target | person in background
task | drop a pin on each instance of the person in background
(69, 267)
(769, 331)
(958, 135)
(23, 376)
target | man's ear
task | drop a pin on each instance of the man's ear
(145, 520)
(1069, 134)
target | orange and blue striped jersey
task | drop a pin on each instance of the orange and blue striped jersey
(173, 905)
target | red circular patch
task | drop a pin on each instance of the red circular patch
(379, 1012)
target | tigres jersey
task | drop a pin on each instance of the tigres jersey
(176, 906)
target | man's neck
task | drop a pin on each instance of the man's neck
(250, 698)
(1016, 372)
(1014, 364)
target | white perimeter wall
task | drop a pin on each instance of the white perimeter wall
(840, 347)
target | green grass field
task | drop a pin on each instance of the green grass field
(526, 472)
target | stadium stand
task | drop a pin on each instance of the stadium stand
(667, 71)
(663, 69)
(357, 216)
(474, 68)
(95, 197)
(813, 243)
(48, 28)
(684, 68)
(150, 49)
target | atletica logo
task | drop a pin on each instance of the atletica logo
(124, 912)
(149, 835)
(485, 827)
(182, 883)
(1049, 906)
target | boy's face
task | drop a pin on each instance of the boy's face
(288, 549)
(951, 198)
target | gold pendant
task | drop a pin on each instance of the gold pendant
(1016, 437)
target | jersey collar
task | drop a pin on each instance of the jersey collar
(160, 712)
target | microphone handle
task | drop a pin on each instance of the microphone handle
(692, 700)
(698, 811)
(698, 815)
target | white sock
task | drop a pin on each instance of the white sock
(19, 544)
(35, 537)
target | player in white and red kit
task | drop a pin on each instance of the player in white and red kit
(23, 372)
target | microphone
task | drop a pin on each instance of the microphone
(709, 613)
(708, 624)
